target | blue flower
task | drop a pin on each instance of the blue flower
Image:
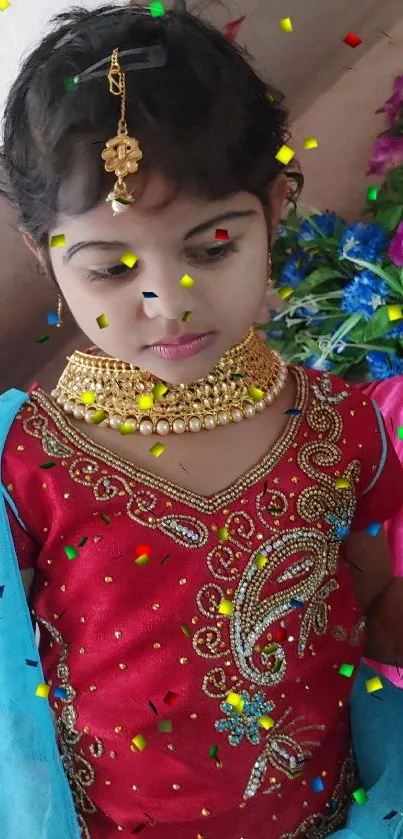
(364, 294)
(294, 270)
(363, 241)
(396, 332)
(314, 362)
(384, 366)
(326, 223)
(246, 723)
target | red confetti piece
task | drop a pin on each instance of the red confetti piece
(281, 635)
(231, 29)
(352, 40)
(143, 549)
(222, 235)
(171, 697)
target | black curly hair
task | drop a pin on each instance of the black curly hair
(206, 120)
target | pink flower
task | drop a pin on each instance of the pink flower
(395, 250)
(393, 105)
(387, 153)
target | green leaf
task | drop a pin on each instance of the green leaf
(317, 278)
(390, 217)
(377, 326)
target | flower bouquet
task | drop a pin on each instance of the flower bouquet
(342, 284)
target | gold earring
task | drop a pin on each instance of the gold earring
(59, 310)
(122, 153)
(270, 281)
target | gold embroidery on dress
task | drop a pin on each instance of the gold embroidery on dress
(79, 772)
(37, 426)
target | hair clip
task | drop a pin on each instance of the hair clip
(148, 58)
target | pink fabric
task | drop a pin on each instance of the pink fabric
(388, 394)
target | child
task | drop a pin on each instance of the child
(181, 550)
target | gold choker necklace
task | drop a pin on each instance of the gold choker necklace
(247, 379)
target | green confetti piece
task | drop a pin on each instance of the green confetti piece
(165, 726)
(102, 321)
(346, 670)
(156, 9)
(48, 464)
(360, 796)
(372, 193)
(98, 417)
(400, 432)
(186, 631)
(71, 552)
(83, 541)
(70, 83)
(213, 752)
(105, 518)
(42, 339)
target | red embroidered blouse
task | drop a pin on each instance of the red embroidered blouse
(203, 698)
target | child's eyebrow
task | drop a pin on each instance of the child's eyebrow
(223, 217)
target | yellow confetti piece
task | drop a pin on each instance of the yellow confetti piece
(88, 397)
(286, 25)
(260, 561)
(139, 742)
(42, 690)
(186, 281)
(342, 483)
(256, 394)
(159, 390)
(285, 291)
(129, 259)
(226, 607)
(373, 684)
(126, 428)
(4, 4)
(235, 701)
(97, 417)
(222, 534)
(186, 316)
(310, 143)
(142, 560)
(394, 312)
(266, 722)
(102, 321)
(186, 631)
(145, 402)
(284, 155)
(58, 241)
(157, 449)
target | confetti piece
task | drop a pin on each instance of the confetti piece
(186, 281)
(129, 259)
(165, 559)
(31, 663)
(400, 432)
(360, 796)
(165, 726)
(391, 815)
(221, 234)
(143, 549)
(260, 561)
(186, 316)
(286, 25)
(270, 98)
(159, 390)
(60, 693)
(105, 518)
(372, 193)
(145, 402)
(213, 752)
(48, 464)
(395, 312)
(222, 534)
(42, 690)
(156, 8)
(237, 376)
(373, 684)
(373, 529)
(58, 241)
(42, 339)
(126, 428)
(157, 449)
(352, 40)
(149, 294)
(139, 742)
(342, 483)
(346, 670)
(142, 560)
(97, 417)
(281, 634)
(333, 805)
(70, 83)
(152, 706)
(186, 631)
(232, 28)
(53, 318)
(285, 291)
(256, 394)
(71, 552)
(226, 607)
(310, 143)
(293, 412)
(83, 541)
(235, 701)
(296, 604)
(88, 397)
(266, 722)
(284, 155)
(102, 321)
(170, 698)
(317, 784)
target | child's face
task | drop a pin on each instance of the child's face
(229, 277)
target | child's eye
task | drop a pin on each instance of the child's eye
(214, 253)
(106, 273)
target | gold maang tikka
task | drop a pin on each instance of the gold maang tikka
(122, 153)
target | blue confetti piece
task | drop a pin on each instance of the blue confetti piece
(293, 412)
(317, 784)
(152, 706)
(333, 805)
(31, 663)
(53, 318)
(391, 815)
(60, 693)
(148, 294)
(296, 604)
(374, 528)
